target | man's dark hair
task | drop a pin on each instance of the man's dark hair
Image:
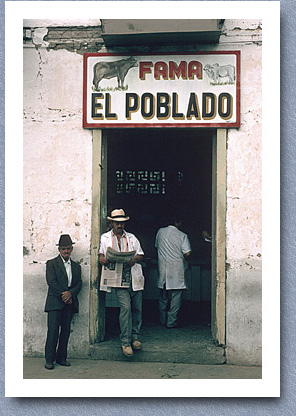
(174, 218)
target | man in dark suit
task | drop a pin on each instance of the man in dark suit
(63, 277)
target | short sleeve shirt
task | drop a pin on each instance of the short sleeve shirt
(171, 245)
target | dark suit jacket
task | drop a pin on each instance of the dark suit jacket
(57, 280)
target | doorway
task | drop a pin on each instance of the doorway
(149, 172)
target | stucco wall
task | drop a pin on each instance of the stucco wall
(244, 204)
(57, 184)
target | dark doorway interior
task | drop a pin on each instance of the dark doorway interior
(151, 171)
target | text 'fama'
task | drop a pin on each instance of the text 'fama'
(163, 106)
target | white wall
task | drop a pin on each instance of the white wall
(57, 184)
(244, 204)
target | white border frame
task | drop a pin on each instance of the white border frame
(269, 385)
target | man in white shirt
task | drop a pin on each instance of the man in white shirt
(173, 249)
(129, 298)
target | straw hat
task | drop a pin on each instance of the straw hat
(118, 215)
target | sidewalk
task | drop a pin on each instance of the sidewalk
(103, 369)
(184, 353)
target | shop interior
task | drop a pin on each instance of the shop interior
(150, 174)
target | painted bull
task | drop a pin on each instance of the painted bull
(216, 71)
(109, 70)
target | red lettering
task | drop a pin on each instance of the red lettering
(175, 70)
(171, 70)
(194, 68)
(160, 70)
(145, 68)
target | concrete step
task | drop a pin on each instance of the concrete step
(192, 344)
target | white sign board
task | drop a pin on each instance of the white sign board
(200, 89)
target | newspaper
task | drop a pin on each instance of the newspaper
(117, 273)
(119, 256)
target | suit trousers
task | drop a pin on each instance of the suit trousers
(130, 316)
(58, 333)
(169, 305)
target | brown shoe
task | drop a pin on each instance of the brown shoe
(127, 350)
(137, 345)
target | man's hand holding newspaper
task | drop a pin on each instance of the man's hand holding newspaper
(119, 256)
(118, 272)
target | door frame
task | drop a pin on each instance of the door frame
(218, 268)
(97, 313)
(98, 224)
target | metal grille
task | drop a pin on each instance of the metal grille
(141, 182)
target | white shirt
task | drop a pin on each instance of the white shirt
(133, 243)
(123, 246)
(171, 245)
(68, 268)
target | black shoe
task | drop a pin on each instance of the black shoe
(49, 366)
(64, 363)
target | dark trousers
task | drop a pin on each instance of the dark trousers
(58, 333)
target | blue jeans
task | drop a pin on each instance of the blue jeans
(130, 317)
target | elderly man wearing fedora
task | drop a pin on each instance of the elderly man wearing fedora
(130, 298)
(63, 277)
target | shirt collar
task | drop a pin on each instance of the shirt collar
(69, 261)
(123, 233)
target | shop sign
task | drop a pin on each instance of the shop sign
(200, 89)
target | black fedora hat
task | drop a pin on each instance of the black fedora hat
(65, 240)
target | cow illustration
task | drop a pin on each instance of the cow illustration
(216, 71)
(109, 70)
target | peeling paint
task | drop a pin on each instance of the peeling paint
(38, 36)
(26, 252)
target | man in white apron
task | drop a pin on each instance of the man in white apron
(129, 298)
(173, 249)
